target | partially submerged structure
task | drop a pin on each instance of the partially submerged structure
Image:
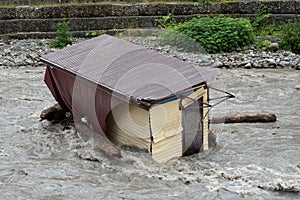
(132, 95)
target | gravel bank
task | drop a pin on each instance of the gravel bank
(26, 53)
(250, 58)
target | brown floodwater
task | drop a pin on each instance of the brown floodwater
(40, 160)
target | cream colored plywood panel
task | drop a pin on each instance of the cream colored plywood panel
(133, 126)
(119, 137)
(132, 120)
(129, 125)
(165, 121)
(167, 149)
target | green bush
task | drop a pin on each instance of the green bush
(287, 35)
(64, 37)
(219, 34)
(290, 37)
(269, 30)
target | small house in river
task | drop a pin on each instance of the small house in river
(132, 95)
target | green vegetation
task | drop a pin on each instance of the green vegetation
(290, 37)
(287, 35)
(91, 34)
(166, 21)
(94, 33)
(6, 39)
(225, 34)
(40, 43)
(261, 18)
(64, 37)
(218, 34)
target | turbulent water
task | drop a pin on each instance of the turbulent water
(40, 160)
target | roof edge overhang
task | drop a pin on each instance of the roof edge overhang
(181, 93)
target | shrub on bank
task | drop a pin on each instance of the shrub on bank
(218, 34)
(287, 35)
(63, 35)
(290, 37)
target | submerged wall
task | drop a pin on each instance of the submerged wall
(31, 21)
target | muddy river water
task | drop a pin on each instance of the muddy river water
(40, 160)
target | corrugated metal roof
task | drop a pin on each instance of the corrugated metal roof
(127, 68)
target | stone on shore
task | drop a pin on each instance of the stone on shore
(274, 46)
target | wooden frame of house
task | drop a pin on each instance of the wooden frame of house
(132, 95)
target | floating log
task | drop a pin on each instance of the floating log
(245, 118)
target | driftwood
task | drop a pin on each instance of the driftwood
(53, 113)
(57, 114)
(245, 118)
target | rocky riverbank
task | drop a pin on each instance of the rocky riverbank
(258, 59)
(251, 58)
(23, 53)
(26, 53)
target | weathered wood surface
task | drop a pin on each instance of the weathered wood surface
(57, 114)
(53, 113)
(245, 118)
